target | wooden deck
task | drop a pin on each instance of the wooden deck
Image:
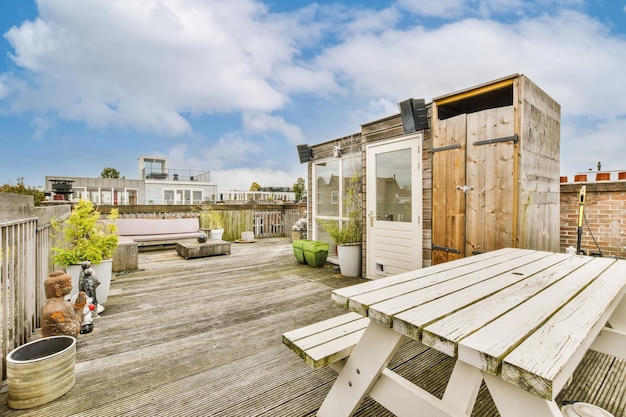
(202, 337)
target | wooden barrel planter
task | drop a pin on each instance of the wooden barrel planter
(40, 371)
(603, 176)
(580, 178)
(621, 175)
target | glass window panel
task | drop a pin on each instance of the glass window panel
(393, 186)
(351, 169)
(327, 182)
(132, 196)
(323, 236)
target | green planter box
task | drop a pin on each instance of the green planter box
(298, 251)
(315, 253)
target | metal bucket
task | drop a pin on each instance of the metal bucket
(40, 371)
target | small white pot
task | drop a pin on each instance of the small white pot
(104, 271)
(216, 234)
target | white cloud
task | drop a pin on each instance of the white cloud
(140, 63)
(4, 86)
(261, 123)
(242, 179)
(584, 144)
(42, 124)
(455, 9)
(162, 65)
(441, 8)
(569, 55)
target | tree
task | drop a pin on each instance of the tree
(110, 173)
(255, 186)
(20, 188)
(299, 188)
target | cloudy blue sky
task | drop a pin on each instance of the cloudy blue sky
(233, 86)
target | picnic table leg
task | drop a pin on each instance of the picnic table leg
(368, 359)
(512, 401)
(463, 387)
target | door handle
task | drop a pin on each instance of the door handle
(371, 216)
(464, 188)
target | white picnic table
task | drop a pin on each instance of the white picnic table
(521, 320)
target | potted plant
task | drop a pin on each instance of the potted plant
(348, 234)
(211, 222)
(85, 237)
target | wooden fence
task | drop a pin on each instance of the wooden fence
(268, 220)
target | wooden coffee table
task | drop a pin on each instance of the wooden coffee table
(199, 250)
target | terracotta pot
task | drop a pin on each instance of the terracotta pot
(603, 176)
(40, 371)
(580, 178)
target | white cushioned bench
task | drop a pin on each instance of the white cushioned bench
(146, 232)
(324, 343)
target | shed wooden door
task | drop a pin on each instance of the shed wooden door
(473, 184)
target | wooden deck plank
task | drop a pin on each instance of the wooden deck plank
(202, 337)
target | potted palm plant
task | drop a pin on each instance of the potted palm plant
(84, 237)
(348, 234)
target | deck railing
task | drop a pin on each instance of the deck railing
(26, 240)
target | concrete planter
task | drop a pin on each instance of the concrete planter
(40, 371)
(104, 271)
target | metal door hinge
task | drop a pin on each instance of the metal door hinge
(444, 249)
(513, 139)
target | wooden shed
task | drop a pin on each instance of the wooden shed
(478, 171)
(495, 169)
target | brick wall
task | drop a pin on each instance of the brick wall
(605, 210)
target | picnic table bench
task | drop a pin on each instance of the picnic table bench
(521, 320)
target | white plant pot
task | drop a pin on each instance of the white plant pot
(350, 260)
(104, 271)
(216, 234)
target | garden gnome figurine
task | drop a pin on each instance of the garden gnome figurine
(60, 317)
(88, 282)
(87, 326)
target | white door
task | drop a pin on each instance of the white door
(394, 206)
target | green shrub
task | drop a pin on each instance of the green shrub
(84, 236)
